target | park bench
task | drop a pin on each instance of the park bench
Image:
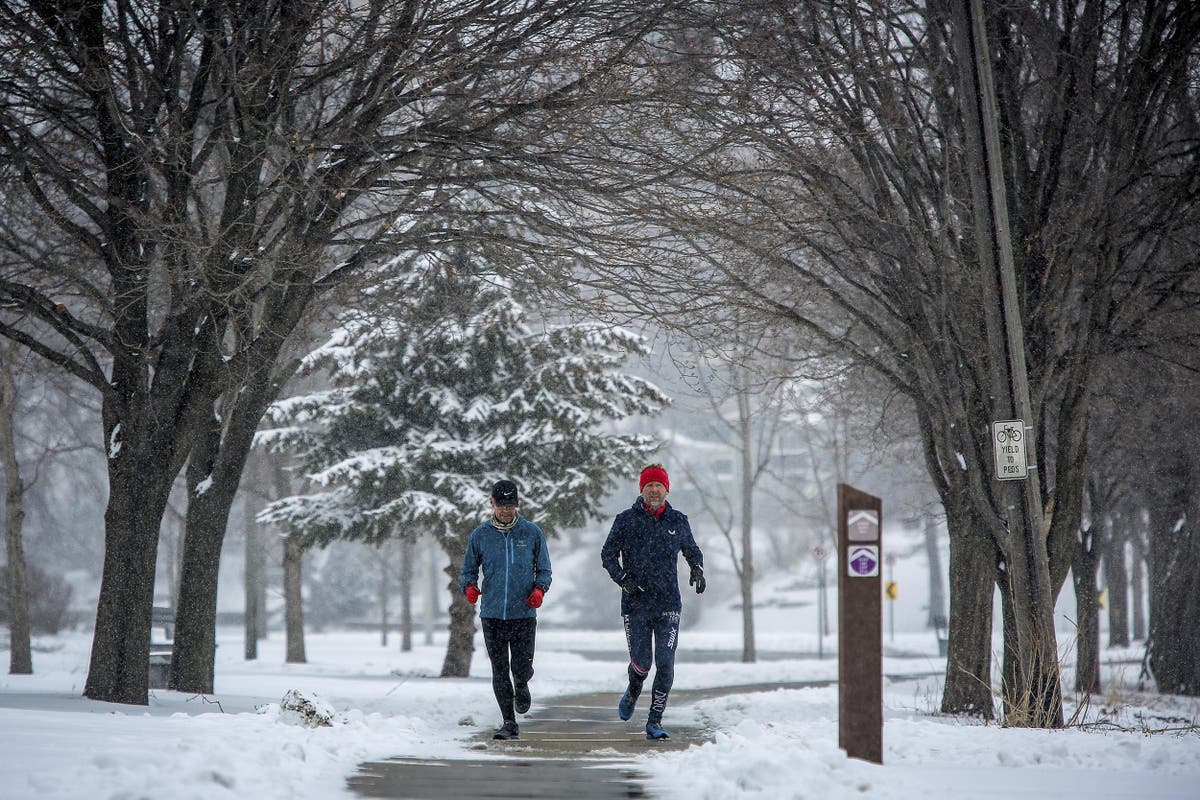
(160, 651)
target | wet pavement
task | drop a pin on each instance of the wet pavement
(571, 747)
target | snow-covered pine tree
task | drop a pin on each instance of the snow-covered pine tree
(449, 390)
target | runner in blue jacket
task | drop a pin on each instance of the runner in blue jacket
(512, 552)
(640, 554)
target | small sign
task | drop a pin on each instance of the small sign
(890, 591)
(863, 561)
(820, 553)
(1008, 447)
(862, 525)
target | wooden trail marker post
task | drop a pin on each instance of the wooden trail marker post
(860, 625)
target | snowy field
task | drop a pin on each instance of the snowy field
(777, 745)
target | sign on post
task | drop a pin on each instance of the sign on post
(1008, 447)
(860, 626)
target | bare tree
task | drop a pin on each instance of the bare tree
(192, 175)
(747, 415)
(824, 142)
(20, 658)
(1161, 473)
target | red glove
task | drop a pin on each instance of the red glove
(535, 597)
(473, 593)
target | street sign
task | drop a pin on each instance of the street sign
(1008, 448)
(889, 590)
(862, 525)
(820, 553)
(863, 562)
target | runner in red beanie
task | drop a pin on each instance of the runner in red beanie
(640, 554)
(654, 473)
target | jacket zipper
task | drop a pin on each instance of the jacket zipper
(508, 558)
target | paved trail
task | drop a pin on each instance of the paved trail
(573, 747)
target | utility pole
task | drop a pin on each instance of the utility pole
(1038, 659)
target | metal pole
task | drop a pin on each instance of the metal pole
(821, 609)
(891, 561)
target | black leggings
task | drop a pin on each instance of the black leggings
(509, 641)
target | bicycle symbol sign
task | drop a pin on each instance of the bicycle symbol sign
(1008, 446)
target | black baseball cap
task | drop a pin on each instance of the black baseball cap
(504, 492)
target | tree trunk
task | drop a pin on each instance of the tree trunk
(383, 595)
(432, 553)
(406, 592)
(293, 576)
(119, 668)
(1137, 582)
(749, 654)
(1084, 564)
(194, 654)
(254, 614)
(141, 470)
(1116, 578)
(968, 687)
(215, 469)
(937, 586)
(20, 657)
(1035, 698)
(172, 539)
(461, 646)
(1175, 584)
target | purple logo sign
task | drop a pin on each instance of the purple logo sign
(863, 561)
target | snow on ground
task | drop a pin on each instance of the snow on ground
(781, 744)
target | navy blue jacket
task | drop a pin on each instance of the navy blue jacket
(648, 548)
(513, 563)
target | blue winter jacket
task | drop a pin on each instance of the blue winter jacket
(648, 548)
(513, 563)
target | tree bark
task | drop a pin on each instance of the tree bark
(1084, 563)
(968, 688)
(293, 579)
(141, 470)
(746, 573)
(254, 614)
(406, 592)
(1175, 582)
(119, 668)
(194, 654)
(384, 589)
(1116, 580)
(20, 657)
(937, 586)
(214, 472)
(1137, 582)
(461, 646)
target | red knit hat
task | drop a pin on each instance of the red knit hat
(653, 473)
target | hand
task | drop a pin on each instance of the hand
(535, 597)
(630, 585)
(472, 593)
(697, 579)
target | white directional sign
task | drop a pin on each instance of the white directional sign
(1008, 446)
(862, 525)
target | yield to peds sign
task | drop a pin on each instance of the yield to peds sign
(1008, 448)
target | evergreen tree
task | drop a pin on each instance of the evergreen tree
(448, 390)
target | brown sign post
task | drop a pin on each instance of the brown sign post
(860, 625)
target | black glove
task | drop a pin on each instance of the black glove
(630, 585)
(697, 579)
